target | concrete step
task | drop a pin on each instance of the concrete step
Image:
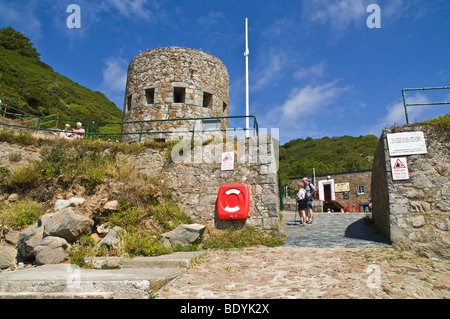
(138, 278)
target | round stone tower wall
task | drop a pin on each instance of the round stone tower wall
(174, 83)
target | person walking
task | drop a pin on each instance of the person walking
(301, 201)
(310, 191)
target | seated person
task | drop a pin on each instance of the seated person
(66, 133)
(78, 133)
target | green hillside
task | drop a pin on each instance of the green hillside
(31, 86)
(326, 155)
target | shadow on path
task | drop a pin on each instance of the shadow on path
(331, 230)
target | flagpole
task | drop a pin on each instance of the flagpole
(246, 53)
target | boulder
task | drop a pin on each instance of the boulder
(13, 198)
(112, 238)
(68, 225)
(7, 256)
(28, 239)
(64, 203)
(52, 250)
(112, 205)
(12, 237)
(185, 235)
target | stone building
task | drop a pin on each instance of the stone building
(170, 83)
(343, 190)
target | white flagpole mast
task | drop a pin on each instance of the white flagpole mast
(246, 53)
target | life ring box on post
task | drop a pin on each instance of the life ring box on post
(233, 201)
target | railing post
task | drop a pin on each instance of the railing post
(4, 114)
(140, 133)
(193, 130)
(92, 130)
(404, 105)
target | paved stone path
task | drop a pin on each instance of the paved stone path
(331, 230)
(340, 257)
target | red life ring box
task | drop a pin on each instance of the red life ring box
(233, 201)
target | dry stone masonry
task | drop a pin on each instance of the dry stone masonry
(174, 83)
(415, 213)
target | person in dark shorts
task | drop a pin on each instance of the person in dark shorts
(310, 191)
(301, 203)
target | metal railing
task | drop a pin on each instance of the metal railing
(405, 105)
(90, 126)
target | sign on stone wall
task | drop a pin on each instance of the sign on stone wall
(399, 168)
(342, 187)
(406, 143)
(227, 161)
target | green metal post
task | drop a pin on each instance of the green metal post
(404, 105)
(140, 133)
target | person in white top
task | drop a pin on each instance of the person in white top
(301, 200)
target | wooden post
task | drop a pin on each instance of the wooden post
(4, 114)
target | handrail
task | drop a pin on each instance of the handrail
(89, 129)
(405, 105)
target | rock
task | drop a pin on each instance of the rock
(103, 229)
(64, 203)
(28, 239)
(112, 205)
(112, 238)
(12, 237)
(52, 250)
(7, 256)
(185, 235)
(13, 198)
(68, 225)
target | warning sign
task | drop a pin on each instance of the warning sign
(399, 168)
(406, 143)
(227, 161)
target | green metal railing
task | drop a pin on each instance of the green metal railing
(405, 105)
(89, 126)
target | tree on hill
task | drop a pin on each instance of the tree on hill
(11, 39)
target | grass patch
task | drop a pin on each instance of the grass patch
(442, 121)
(20, 214)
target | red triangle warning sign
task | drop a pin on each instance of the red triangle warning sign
(399, 164)
(227, 157)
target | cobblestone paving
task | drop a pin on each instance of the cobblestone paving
(365, 269)
(331, 230)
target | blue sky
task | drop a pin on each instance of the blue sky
(316, 69)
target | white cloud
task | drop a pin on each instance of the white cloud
(339, 13)
(315, 71)
(133, 8)
(395, 113)
(114, 79)
(310, 100)
(22, 17)
(274, 63)
(297, 115)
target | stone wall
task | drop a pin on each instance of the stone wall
(173, 83)
(13, 155)
(415, 214)
(195, 181)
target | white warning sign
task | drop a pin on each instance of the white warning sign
(406, 143)
(399, 168)
(227, 161)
